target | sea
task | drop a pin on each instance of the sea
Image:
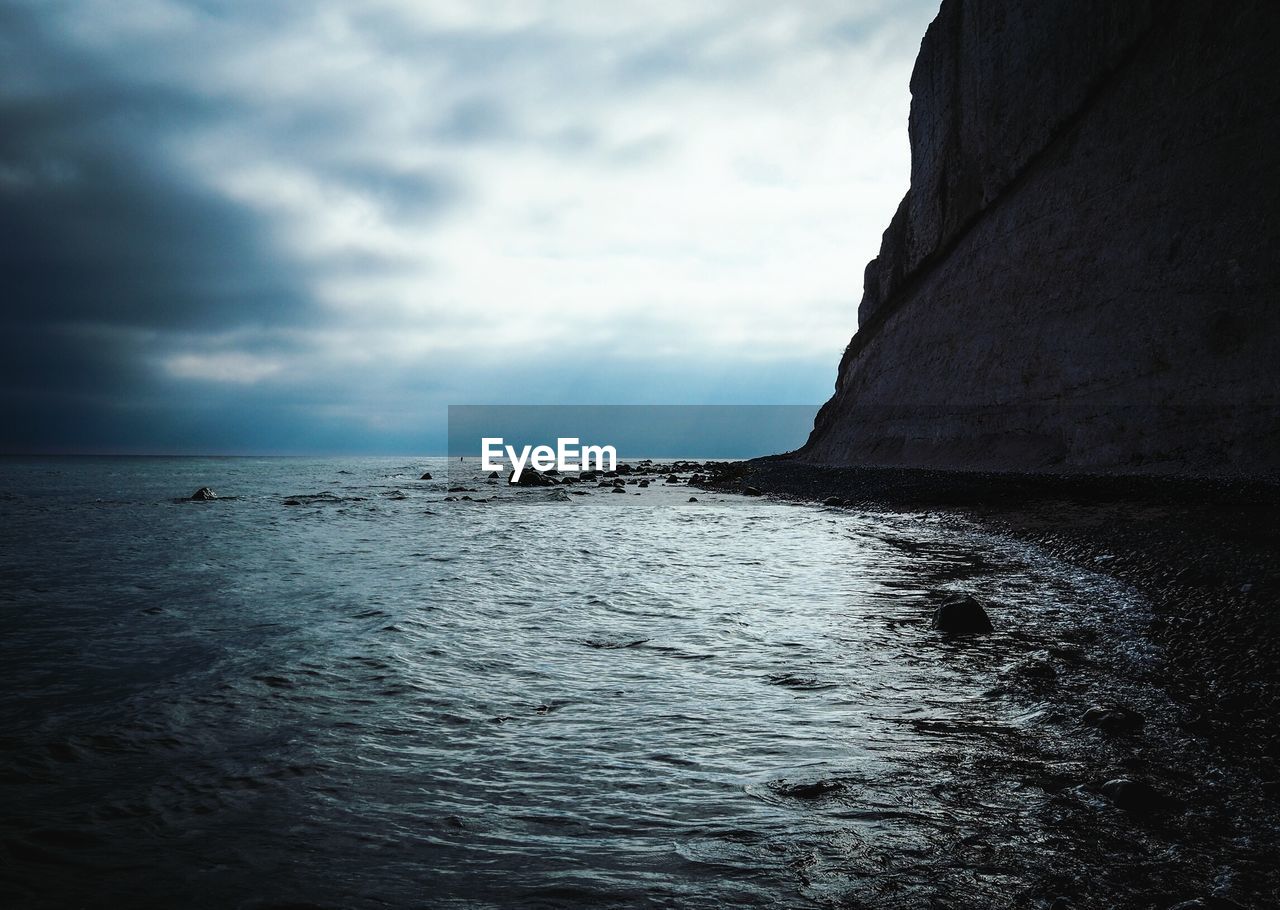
(341, 685)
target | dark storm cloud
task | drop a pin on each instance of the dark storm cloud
(102, 243)
(110, 252)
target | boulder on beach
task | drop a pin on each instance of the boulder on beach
(204, 494)
(961, 615)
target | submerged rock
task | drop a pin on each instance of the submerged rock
(961, 615)
(204, 494)
(1113, 719)
(1135, 796)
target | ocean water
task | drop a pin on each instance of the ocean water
(378, 698)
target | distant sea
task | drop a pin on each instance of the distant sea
(331, 687)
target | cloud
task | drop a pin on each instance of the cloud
(278, 225)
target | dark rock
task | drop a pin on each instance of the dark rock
(961, 615)
(693, 499)
(1113, 719)
(832, 501)
(204, 494)
(493, 475)
(1135, 796)
(426, 476)
(671, 478)
(619, 490)
(644, 483)
(530, 478)
(751, 491)
(292, 502)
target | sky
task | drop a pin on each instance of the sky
(309, 227)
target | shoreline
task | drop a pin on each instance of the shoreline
(1202, 551)
(1201, 555)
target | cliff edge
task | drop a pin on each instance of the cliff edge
(1085, 272)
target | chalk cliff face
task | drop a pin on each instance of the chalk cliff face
(1085, 272)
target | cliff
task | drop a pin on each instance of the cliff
(1084, 272)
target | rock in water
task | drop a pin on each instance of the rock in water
(961, 615)
(530, 478)
(1135, 796)
(204, 494)
(426, 476)
(1113, 719)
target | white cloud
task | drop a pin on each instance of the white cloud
(507, 181)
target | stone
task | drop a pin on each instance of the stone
(1113, 719)
(204, 494)
(832, 501)
(530, 478)
(751, 491)
(961, 615)
(425, 476)
(1135, 796)
(693, 499)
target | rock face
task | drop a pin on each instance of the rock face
(1085, 272)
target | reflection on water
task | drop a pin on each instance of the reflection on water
(376, 697)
